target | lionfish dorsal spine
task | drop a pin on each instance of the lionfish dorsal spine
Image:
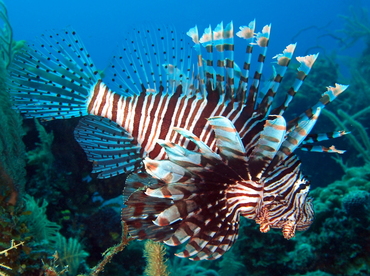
(228, 140)
(247, 33)
(307, 144)
(267, 95)
(303, 70)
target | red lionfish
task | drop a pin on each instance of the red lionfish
(200, 175)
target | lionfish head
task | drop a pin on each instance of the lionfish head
(197, 196)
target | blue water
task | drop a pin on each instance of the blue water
(102, 24)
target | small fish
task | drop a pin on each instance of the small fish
(194, 177)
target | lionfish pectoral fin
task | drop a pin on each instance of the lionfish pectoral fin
(203, 148)
(111, 149)
(139, 181)
(230, 145)
(228, 139)
(267, 146)
(212, 242)
(164, 170)
(140, 213)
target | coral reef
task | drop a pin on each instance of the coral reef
(39, 227)
(12, 150)
(356, 203)
(70, 253)
(342, 238)
(354, 109)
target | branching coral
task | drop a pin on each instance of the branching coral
(351, 116)
(156, 264)
(357, 26)
(360, 142)
(13, 245)
(110, 252)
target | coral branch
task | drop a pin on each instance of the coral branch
(154, 254)
(364, 147)
(110, 252)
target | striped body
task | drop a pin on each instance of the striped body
(149, 117)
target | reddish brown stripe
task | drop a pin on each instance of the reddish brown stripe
(138, 209)
(181, 104)
(257, 75)
(116, 98)
(195, 245)
(152, 114)
(246, 204)
(220, 78)
(137, 111)
(166, 192)
(209, 48)
(175, 240)
(103, 101)
(220, 63)
(170, 112)
(95, 94)
(301, 75)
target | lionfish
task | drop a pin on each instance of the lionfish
(205, 142)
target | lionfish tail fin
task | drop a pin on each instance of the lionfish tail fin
(53, 77)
